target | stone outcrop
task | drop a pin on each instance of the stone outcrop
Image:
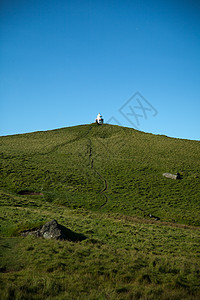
(53, 230)
(172, 176)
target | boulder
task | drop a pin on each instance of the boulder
(52, 230)
(172, 176)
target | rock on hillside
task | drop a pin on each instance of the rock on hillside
(53, 230)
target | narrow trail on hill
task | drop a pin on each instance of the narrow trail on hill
(91, 160)
(104, 181)
(84, 134)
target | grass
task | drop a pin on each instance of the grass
(101, 182)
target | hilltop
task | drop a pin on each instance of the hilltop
(104, 182)
(106, 167)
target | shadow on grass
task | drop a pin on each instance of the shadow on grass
(70, 235)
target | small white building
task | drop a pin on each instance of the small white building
(99, 119)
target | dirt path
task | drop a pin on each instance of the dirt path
(104, 181)
(84, 134)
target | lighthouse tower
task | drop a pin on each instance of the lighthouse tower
(99, 119)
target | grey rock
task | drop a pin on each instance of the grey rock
(52, 230)
(172, 176)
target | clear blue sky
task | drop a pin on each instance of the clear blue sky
(62, 62)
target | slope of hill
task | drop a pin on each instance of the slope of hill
(104, 182)
(106, 167)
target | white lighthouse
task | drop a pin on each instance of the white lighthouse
(99, 119)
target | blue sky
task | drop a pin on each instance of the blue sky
(62, 62)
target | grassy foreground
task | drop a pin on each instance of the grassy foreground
(102, 182)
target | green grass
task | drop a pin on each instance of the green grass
(102, 182)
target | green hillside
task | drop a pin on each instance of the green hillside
(72, 167)
(103, 182)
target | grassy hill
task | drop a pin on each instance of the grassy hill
(103, 182)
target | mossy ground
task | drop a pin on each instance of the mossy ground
(126, 255)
